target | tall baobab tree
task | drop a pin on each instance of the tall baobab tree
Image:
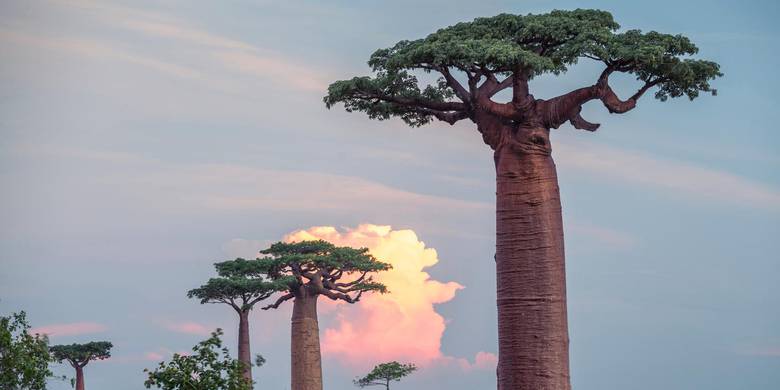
(78, 355)
(476, 61)
(239, 287)
(317, 268)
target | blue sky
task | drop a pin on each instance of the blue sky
(141, 141)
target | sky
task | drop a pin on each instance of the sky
(140, 142)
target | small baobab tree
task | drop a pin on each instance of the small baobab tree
(78, 355)
(312, 269)
(240, 287)
(385, 373)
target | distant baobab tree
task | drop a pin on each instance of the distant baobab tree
(78, 355)
(384, 374)
(313, 269)
(240, 287)
(476, 61)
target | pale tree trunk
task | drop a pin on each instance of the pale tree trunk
(533, 341)
(305, 348)
(79, 378)
(244, 354)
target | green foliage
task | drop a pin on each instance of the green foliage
(654, 56)
(385, 373)
(24, 358)
(539, 43)
(209, 367)
(521, 45)
(360, 94)
(238, 284)
(81, 354)
(299, 259)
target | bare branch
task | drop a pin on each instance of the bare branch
(475, 74)
(416, 102)
(617, 106)
(231, 302)
(460, 92)
(282, 299)
(335, 295)
(504, 84)
(258, 299)
(578, 122)
(568, 106)
(504, 110)
(449, 117)
(354, 282)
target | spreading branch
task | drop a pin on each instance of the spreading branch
(450, 117)
(567, 107)
(453, 83)
(521, 47)
(320, 265)
(282, 299)
(414, 101)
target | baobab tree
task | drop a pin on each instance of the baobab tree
(476, 61)
(78, 355)
(239, 287)
(317, 268)
(384, 374)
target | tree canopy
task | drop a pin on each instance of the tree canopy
(238, 285)
(339, 273)
(24, 358)
(495, 53)
(209, 367)
(78, 355)
(385, 373)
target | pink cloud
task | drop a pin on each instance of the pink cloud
(483, 361)
(189, 328)
(72, 329)
(154, 356)
(379, 327)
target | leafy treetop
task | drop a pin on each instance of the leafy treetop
(78, 355)
(204, 369)
(385, 373)
(321, 268)
(495, 53)
(24, 358)
(238, 285)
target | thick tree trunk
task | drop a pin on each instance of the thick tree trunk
(79, 378)
(244, 354)
(533, 339)
(306, 359)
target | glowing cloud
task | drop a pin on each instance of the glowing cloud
(400, 325)
(72, 329)
(486, 360)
